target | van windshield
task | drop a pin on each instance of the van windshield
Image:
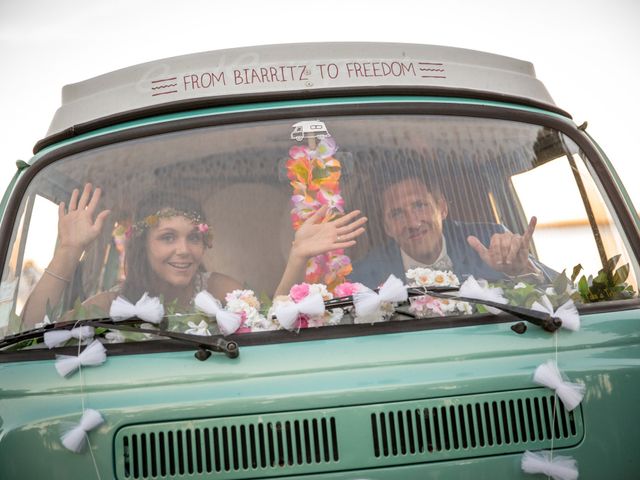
(265, 215)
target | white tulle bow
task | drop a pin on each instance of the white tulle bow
(148, 308)
(567, 312)
(58, 337)
(288, 313)
(558, 468)
(549, 376)
(201, 328)
(94, 354)
(228, 322)
(480, 290)
(367, 302)
(76, 438)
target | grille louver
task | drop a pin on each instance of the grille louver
(505, 424)
(234, 448)
(347, 438)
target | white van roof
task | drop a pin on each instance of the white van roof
(317, 67)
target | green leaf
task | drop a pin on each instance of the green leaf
(583, 287)
(611, 263)
(575, 272)
(560, 283)
(601, 280)
(621, 274)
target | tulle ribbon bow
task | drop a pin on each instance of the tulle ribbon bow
(228, 322)
(147, 308)
(549, 376)
(94, 354)
(76, 438)
(288, 313)
(58, 337)
(567, 312)
(471, 288)
(367, 302)
(558, 468)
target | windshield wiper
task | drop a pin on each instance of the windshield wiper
(204, 344)
(540, 319)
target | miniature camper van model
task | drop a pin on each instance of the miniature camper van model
(341, 260)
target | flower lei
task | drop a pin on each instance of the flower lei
(315, 178)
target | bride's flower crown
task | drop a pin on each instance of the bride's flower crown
(152, 220)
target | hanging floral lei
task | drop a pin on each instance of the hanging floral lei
(315, 178)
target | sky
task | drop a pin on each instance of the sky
(585, 52)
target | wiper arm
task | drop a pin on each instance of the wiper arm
(205, 344)
(541, 319)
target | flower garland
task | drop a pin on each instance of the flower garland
(151, 221)
(315, 178)
(428, 306)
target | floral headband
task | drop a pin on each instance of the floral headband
(152, 220)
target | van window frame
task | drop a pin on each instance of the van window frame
(147, 129)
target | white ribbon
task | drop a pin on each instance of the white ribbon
(200, 329)
(549, 376)
(58, 337)
(480, 290)
(567, 312)
(76, 438)
(228, 322)
(367, 302)
(94, 354)
(147, 308)
(288, 313)
(558, 468)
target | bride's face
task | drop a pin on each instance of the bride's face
(175, 248)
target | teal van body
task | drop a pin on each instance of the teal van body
(433, 394)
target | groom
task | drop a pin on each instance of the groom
(415, 219)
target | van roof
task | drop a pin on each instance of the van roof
(316, 69)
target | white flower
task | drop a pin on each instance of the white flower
(201, 329)
(321, 289)
(425, 277)
(114, 336)
(519, 285)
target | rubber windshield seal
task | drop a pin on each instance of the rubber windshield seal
(329, 93)
(456, 109)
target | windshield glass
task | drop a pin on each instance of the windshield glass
(250, 218)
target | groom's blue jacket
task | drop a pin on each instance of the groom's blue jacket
(378, 264)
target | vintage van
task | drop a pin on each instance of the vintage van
(490, 340)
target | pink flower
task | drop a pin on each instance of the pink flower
(298, 151)
(422, 305)
(299, 292)
(326, 148)
(203, 228)
(334, 201)
(345, 289)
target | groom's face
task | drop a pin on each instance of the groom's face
(413, 218)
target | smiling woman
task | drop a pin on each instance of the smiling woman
(166, 242)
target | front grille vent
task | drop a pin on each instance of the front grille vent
(230, 448)
(467, 426)
(350, 438)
